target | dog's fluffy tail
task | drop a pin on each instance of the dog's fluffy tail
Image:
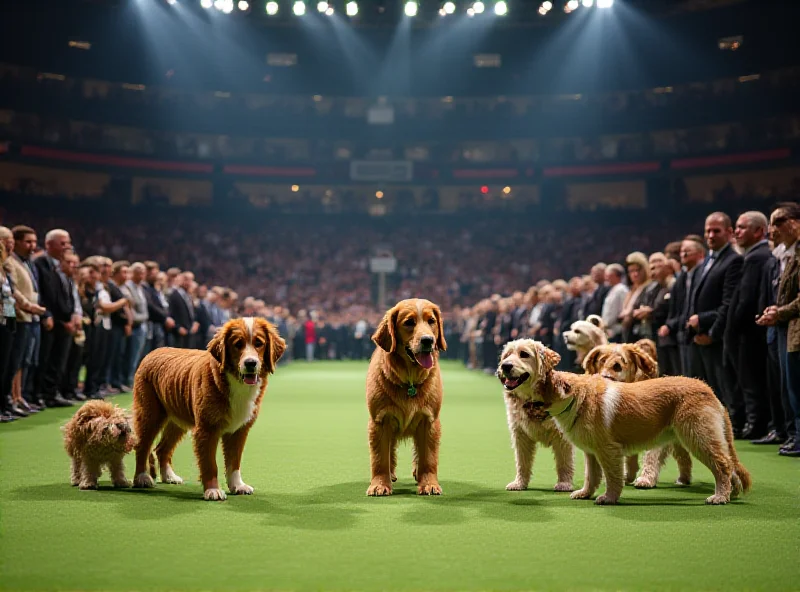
(742, 482)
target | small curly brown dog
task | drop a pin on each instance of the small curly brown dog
(404, 394)
(99, 434)
(634, 363)
(216, 393)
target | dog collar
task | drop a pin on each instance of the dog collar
(565, 409)
(412, 390)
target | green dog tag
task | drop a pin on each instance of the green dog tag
(412, 391)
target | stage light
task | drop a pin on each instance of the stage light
(484, 190)
(501, 8)
(295, 188)
(411, 8)
(478, 7)
(379, 194)
(244, 5)
(588, 3)
(171, 2)
(506, 190)
(228, 7)
(299, 8)
(542, 11)
(571, 5)
(547, 5)
(352, 8)
(449, 7)
(272, 8)
(470, 12)
(329, 12)
(605, 3)
(206, 4)
(219, 4)
(322, 6)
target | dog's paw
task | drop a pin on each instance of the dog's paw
(580, 494)
(242, 489)
(170, 477)
(683, 482)
(85, 485)
(378, 490)
(606, 500)
(144, 481)
(429, 489)
(516, 486)
(75, 482)
(120, 483)
(214, 495)
(643, 483)
(717, 500)
(563, 486)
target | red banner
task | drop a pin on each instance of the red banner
(746, 158)
(264, 171)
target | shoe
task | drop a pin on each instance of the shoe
(59, 401)
(18, 411)
(751, 432)
(28, 407)
(791, 452)
(789, 444)
(94, 397)
(772, 438)
(112, 391)
(7, 418)
(125, 388)
(78, 397)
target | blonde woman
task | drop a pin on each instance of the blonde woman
(639, 274)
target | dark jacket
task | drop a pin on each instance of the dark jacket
(744, 306)
(712, 294)
(54, 294)
(677, 316)
(158, 314)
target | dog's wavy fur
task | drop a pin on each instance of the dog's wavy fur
(393, 413)
(98, 435)
(585, 335)
(176, 390)
(634, 363)
(608, 420)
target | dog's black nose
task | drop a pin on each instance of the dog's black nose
(426, 341)
(507, 368)
(250, 364)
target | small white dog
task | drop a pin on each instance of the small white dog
(583, 336)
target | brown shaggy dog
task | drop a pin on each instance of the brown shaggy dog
(98, 434)
(528, 427)
(585, 335)
(608, 420)
(216, 393)
(404, 394)
(634, 363)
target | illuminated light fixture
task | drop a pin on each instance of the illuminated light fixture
(572, 5)
(244, 5)
(171, 2)
(547, 5)
(411, 8)
(218, 4)
(484, 190)
(501, 8)
(379, 194)
(542, 11)
(506, 190)
(206, 4)
(449, 7)
(351, 8)
(442, 12)
(295, 188)
(605, 3)
(329, 12)
(299, 8)
(227, 8)
(588, 3)
(272, 8)
(322, 6)
(478, 7)
(470, 12)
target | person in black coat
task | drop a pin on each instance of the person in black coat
(157, 309)
(655, 310)
(181, 309)
(58, 322)
(594, 303)
(745, 342)
(715, 280)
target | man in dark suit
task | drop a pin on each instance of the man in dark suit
(181, 308)
(157, 309)
(745, 344)
(594, 302)
(59, 322)
(693, 251)
(715, 280)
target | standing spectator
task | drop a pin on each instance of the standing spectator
(7, 329)
(715, 281)
(310, 337)
(74, 358)
(745, 341)
(181, 308)
(157, 309)
(133, 290)
(639, 274)
(570, 313)
(612, 305)
(26, 292)
(785, 228)
(121, 329)
(594, 301)
(657, 311)
(56, 296)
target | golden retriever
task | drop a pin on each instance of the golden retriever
(404, 394)
(216, 393)
(585, 335)
(608, 420)
(634, 363)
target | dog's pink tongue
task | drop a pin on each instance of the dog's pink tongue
(425, 360)
(251, 380)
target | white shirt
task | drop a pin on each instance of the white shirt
(104, 297)
(612, 308)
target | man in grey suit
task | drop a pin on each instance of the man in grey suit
(133, 289)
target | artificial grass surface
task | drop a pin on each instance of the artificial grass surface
(310, 526)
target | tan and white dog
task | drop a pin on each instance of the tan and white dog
(583, 336)
(634, 362)
(608, 420)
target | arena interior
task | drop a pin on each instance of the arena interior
(170, 168)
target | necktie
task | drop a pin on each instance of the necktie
(709, 264)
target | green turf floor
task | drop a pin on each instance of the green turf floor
(309, 525)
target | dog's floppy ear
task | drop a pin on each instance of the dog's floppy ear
(644, 362)
(596, 321)
(277, 346)
(440, 342)
(550, 359)
(384, 336)
(590, 362)
(216, 347)
(648, 346)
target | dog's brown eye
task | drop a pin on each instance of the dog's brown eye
(431, 321)
(524, 354)
(238, 344)
(258, 343)
(617, 368)
(410, 323)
